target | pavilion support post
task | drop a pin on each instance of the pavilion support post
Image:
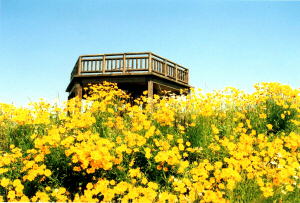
(150, 89)
(78, 90)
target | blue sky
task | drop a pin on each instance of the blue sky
(223, 43)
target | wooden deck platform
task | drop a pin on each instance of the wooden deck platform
(134, 72)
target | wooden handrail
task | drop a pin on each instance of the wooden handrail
(130, 62)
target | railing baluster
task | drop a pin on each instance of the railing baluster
(149, 62)
(79, 66)
(187, 76)
(133, 63)
(124, 63)
(176, 78)
(141, 63)
(165, 68)
(104, 64)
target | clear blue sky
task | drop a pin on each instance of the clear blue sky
(224, 43)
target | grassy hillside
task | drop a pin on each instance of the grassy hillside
(217, 147)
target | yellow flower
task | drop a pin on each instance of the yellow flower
(192, 124)
(89, 186)
(159, 167)
(16, 182)
(263, 115)
(170, 137)
(4, 182)
(47, 172)
(153, 185)
(147, 152)
(180, 141)
(144, 181)
(181, 147)
(269, 126)
(289, 188)
(11, 195)
(215, 130)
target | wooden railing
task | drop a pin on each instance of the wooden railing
(141, 62)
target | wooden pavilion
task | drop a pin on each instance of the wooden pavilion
(133, 72)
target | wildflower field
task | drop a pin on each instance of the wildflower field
(224, 146)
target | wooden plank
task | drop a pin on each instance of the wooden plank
(150, 63)
(114, 54)
(130, 69)
(124, 63)
(97, 59)
(158, 72)
(165, 68)
(79, 66)
(104, 64)
(78, 90)
(176, 73)
(133, 73)
(115, 58)
(113, 70)
(187, 76)
(136, 57)
(150, 89)
(90, 71)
